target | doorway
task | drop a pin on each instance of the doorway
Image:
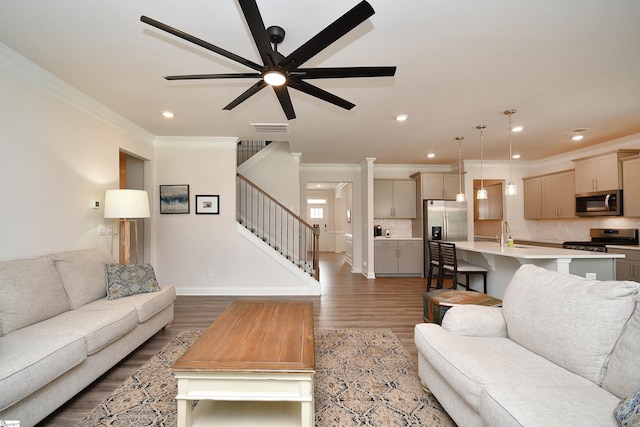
(329, 204)
(132, 178)
(488, 213)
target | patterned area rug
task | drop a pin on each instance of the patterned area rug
(364, 377)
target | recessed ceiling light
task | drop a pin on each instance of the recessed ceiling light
(402, 117)
(431, 155)
(517, 129)
(516, 156)
(167, 114)
(577, 137)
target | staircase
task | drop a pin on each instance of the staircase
(281, 229)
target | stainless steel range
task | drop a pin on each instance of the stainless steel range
(601, 237)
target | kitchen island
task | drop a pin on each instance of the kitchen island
(502, 262)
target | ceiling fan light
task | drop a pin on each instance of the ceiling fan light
(274, 78)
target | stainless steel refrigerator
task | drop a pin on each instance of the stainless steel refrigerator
(443, 220)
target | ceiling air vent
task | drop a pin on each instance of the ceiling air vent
(270, 127)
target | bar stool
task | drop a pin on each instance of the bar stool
(450, 263)
(433, 247)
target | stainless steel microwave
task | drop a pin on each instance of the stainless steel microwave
(601, 203)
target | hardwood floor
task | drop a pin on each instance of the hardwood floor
(348, 301)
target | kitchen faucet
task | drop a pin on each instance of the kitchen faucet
(506, 230)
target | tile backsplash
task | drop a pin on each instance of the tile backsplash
(398, 227)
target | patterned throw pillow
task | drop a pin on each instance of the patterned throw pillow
(130, 279)
(628, 411)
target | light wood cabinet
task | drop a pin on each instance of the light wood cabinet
(631, 186)
(600, 173)
(627, 268)
(533, 198)
(550, 196)
(438, 186)
(491, 207)
(558, 195)
(398, 257)
(394, 199)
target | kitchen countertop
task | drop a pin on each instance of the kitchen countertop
(396, 238)
(531, 252)
(629, 247)
(503, 262)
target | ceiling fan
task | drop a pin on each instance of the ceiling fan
(283, 72)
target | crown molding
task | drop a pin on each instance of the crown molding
(196, 141)
(22, 68)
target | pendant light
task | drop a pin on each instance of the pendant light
(460, 195)
(511, 189)
(482, 192)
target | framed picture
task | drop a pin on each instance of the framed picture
(174, 199)
(207, 205)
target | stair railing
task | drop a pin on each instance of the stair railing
(278, 226)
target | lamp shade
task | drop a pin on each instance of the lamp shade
(126, 204)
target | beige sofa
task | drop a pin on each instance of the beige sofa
(59, 332)
(562, 351)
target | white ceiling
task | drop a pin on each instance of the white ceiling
(562, 64)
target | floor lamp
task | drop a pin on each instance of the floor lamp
(124, 205)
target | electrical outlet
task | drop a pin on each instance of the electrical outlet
(209, 273)
(591, 276)
(102, 230)
(94, 204)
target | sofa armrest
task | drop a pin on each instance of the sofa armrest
(475, 320)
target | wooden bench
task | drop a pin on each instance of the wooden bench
(253, 366)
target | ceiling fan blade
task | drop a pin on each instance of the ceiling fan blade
(324, 38)
(343, 72)
(312, 90)
(201, 43)
(246, 95)
(285, 100)
(215, 76)
(258, 31)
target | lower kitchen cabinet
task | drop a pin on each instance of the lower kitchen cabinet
(393, 257)
(627, 268)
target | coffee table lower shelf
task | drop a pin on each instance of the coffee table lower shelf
(209, 413)
(229, 399)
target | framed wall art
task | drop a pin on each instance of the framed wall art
(174, 199)
(208, 204)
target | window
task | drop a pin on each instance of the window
(316, 212)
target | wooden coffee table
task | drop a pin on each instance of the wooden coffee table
(253, 365)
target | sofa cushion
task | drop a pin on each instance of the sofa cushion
(520, 404)
(83, 274)
(623, 373)
(472, 363)
(34, 356)
(569, 320)
(30, 291)
(145, 305)
(124, 280)
(99, 327)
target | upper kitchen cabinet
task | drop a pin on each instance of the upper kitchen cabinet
(394, 198)
(550, 196)
(438, 186)
(600, 173)
(631, 185)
